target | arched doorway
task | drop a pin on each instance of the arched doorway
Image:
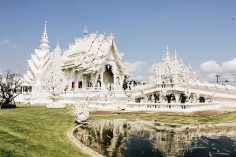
(202, 99)
(182, 98)
(80, 84)
(99, 83)
(170, 97)
(73, 85)
(108, 77)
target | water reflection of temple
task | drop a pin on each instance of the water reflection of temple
(112, 137)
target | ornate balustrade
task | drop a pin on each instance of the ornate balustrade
(171, 106)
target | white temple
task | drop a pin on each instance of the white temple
(93, 62)
(172, 70)
(39, 62)
(175, 87)
(91, 69)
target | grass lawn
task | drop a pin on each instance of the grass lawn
(185, 118)
(36, 131)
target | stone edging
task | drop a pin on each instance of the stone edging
(89, 151)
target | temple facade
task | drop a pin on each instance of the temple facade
(90, 67)
(93, 63)
(172, 70)
(91, 70)
(38, 64)
(174, 86)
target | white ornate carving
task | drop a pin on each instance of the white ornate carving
(85, 63)
(173, 70)
(81, 112)
(38, 63)
(53, 78)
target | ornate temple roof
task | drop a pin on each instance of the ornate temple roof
(89, 53)
(40, 60)
(173, 70)
(44, 43)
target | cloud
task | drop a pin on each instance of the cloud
(135, 66)
(210, 67)
(229, 66)
(5, 42)
(137, 70)
(141, 78)
(226, 70)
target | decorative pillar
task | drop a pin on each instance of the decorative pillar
(114, 82)
(84, 84)
(177, 95)
(76, 86)
(70, 80)
(102, 83)
(114, 77)
(152, 98)
(102, 79)
(146, 98)
(196, 97)
(69, 84)
(95, 81)
(122, 77)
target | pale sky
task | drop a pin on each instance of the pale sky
(202, 31)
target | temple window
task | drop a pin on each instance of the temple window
(202, 99)
(117, 80)
(98, 83)
(73, 85)
(80, 83)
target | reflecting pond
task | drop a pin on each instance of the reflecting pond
(125, 138)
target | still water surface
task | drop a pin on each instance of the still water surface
(125, 138)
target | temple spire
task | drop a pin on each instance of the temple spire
(58, 48)
(175, 55)
(167, 56)
(45, 27)
(44, 43)
(58, 44)
(85, 31)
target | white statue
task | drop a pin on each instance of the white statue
(81, 111)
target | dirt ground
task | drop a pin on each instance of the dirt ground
(216, 111)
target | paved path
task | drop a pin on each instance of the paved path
(91, 152)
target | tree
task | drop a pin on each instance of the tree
(129, 83)
(125, 82)
(10, 88)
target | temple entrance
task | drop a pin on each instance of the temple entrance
(108, 77)
(202, 99)
(156, 98)
(80, 84)
(182, 98)
(99, 83)
(170, 97)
